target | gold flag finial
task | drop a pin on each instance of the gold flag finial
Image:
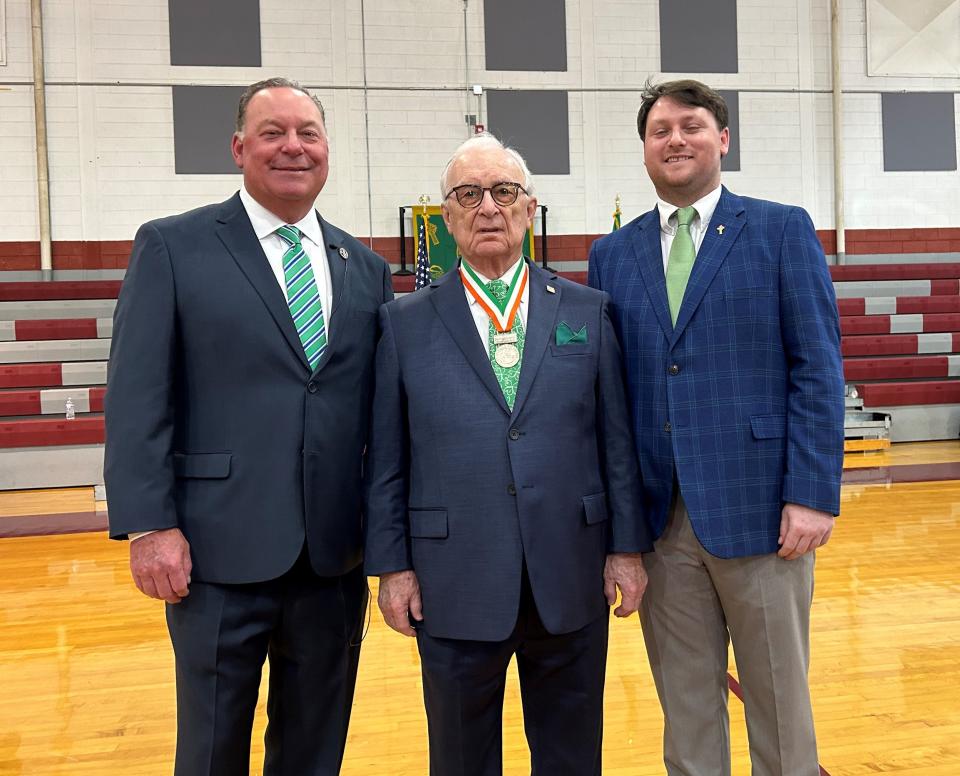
(424, 200)
(616, 214)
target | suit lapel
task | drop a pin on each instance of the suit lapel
(541, 322)
(450, 301)
(338, 261)
(238, 237)
(646, 245)
(713, 251)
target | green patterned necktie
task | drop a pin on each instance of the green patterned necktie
(680, 261)
(303, 298)
(507, 376)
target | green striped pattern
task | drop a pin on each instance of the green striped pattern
(303, 297)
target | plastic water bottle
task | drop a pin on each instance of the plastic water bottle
(71, 409)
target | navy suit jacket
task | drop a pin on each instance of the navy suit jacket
(742, 400)
(464, 491)
(215, 422)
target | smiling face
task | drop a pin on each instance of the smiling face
(283, 152)
(490, 236)
(682, 150)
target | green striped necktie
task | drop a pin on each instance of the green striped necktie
(303, 298)
(680, 262)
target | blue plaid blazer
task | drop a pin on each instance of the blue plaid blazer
(742, 401)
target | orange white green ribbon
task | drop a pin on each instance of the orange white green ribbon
(502, 314)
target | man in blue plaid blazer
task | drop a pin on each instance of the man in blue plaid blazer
(736, 390)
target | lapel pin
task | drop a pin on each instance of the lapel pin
(719, 230)
(343, 253)
(551, 290)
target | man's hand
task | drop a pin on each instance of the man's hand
(399, 600)
(624, 570)
(802, 529)
(160, 564)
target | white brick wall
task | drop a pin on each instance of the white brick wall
(111, 134)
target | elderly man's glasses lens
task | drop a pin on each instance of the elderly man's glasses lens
(470, 196)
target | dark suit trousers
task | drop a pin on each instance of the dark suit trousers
(561, 686)
(310, 627)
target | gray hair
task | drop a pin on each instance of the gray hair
(272, 83)
(488, 141)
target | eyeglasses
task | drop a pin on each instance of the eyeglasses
(470, 195)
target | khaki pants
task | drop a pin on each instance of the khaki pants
(694, 605)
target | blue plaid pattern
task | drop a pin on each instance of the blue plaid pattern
(751, 416)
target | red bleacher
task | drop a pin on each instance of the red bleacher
(895, 271)
(901, 394)
(59, 289)
(888, 344)
(51, 432)
(905, 305)
(881, 324)
(856, 369)
(56, 329)
(31, 375)
(890, 369)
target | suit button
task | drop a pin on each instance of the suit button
(674, 369)
(512, 489)
(312, 387)
(667, 427)
(514, 434)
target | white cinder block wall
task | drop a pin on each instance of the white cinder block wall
(111, 129)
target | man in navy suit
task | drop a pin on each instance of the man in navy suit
(504, 507)
(240, 382)
(729, 326)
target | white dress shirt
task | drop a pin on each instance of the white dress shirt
(668, 222)
(480, 317)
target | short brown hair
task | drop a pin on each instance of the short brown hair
(272, 83)
(686, 92)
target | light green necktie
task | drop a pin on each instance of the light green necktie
(507, 376)
(680, 261)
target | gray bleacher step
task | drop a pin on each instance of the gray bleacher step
(51, 467)
(901, 258)
(49, 309)
(84, 373)
(857, 289)
(923, 422)
(54, 350)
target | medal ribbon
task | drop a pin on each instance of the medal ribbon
(502, 314)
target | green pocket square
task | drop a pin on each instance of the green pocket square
(567, 336)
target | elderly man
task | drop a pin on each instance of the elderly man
(237, 403)
(732, 345)
(504, 509)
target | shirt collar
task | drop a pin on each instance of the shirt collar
(265, 223)
(485, 279)
(705, 207)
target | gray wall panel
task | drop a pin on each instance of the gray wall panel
(525, 35)
(536, 123)
(919, 131)
(698, 36)
(203, 121)
(731, 162)
(222, 33)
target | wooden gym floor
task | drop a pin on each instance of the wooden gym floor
(86, 670)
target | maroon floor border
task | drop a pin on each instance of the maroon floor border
(914, 472)
(46, 525)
